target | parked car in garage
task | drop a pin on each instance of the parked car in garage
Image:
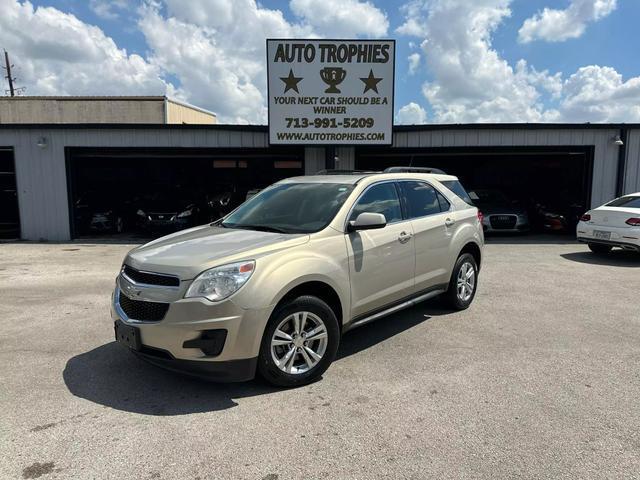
(501, 214)
(170, 210)
(614, 224)
(102, 212)
(272, 286)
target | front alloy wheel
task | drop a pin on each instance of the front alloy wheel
(299, 343)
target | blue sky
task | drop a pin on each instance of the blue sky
(477, 60)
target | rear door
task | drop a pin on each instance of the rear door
(381, 261)
(432, 222)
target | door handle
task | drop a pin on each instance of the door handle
(404, 237)
(449, 222)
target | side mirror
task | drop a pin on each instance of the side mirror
(367, 221)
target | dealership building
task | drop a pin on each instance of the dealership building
(52, 153)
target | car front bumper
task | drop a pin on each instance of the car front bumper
(179, 340)
(627, 238)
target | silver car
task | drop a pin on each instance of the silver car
(499, 213)
(271, 288)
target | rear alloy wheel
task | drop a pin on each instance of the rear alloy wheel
(463, 283)
(299, 343)
(599, 248)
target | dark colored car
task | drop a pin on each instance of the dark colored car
(170, 210)
(100, 212)
(501, 214)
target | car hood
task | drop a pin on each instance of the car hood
(189, 252)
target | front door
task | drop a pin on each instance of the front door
(381, 261)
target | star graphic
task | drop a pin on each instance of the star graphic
(370, 82)
(291, 82)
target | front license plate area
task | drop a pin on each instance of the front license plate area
(601, 235)
(128, 336)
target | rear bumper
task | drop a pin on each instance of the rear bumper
(627, 238)
(612, 243)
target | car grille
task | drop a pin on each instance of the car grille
(151, 278)
(141, 310)
(162, 217)
(503, 222)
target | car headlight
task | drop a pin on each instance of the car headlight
(221, 282)
(141, 213)
(186, 213)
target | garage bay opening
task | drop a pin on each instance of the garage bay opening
(150, 192)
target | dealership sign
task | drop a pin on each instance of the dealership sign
(330, 92)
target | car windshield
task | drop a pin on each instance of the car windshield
(304, 207)
(629, 201)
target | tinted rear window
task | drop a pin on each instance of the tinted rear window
(456, 187)
(628, 202)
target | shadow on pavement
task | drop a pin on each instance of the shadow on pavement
(616, 258)
(111, 376)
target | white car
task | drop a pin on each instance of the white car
(614, 224)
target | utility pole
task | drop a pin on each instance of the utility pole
(9, 77)
(12, 90)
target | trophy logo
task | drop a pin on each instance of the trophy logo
(333, 76)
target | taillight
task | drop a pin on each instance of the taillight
(634, 222)
(585, 218)
(480, 216)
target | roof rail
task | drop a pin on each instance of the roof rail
(414, 170)
(343, 172)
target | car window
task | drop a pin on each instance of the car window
(629, 202)
(456, 187)
(420, 198)
(381, 198)
(444, 203)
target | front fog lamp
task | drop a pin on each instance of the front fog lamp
(221, 282)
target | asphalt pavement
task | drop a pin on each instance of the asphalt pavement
(540, 378)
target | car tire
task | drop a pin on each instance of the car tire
(460, 295)
(277, 364)
(599, 249)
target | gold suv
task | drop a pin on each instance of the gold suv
(271, 287)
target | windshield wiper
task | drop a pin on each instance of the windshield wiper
(260, 228)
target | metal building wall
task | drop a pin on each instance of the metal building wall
(41, 172)
(632, 171)
(605, 162)
(42, 182)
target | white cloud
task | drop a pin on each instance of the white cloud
(414, 62)
(57, 54)
(554, 25)
(411, 114)
(471, 82)
(342, 18)
(216, 50)
(599, 94)
(108, 9)
(414, 12)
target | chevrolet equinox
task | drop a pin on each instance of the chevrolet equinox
(272, 286)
